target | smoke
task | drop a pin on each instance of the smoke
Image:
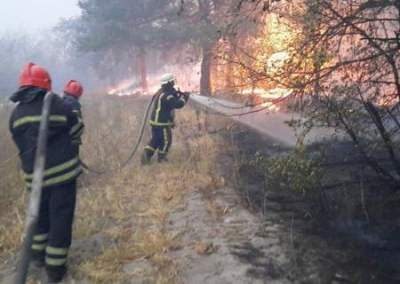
(49, 50)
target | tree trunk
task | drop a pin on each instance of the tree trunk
(205, 80)
(229, 76)
(143, 68)
(229, 84)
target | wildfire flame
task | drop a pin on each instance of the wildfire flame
(267, 98)
(277, 61)
(273, 53)
(112, 92)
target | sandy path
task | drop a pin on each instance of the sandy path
(219, 236)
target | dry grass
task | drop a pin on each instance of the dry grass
(12, 195)
(204, 248)
(127, 208)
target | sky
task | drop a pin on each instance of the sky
(34, 15)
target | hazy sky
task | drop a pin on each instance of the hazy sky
(32, 15)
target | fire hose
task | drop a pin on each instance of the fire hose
(141, 132)
(36, 192)
(7, 160)
(135, 148)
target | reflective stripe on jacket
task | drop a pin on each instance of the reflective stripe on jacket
(62, 163)
(167, 100)
(77, 109)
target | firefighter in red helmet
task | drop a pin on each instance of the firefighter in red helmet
(52, 236)
(73, 91)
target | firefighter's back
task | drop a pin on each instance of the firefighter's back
(61, 160)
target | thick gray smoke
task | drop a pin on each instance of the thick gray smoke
(48, 50)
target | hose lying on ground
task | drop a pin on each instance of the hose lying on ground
(85, 166)
(143, 125)
(135, 148)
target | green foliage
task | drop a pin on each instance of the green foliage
(295, 171)
(158, 24)
(122, 23)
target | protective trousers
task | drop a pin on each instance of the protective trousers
(53, 234)
(160, 142)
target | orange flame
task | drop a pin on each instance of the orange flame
(267, 98)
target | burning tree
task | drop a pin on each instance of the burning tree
(257, 49)
(342, 58)
(167, 29)
(354, 47)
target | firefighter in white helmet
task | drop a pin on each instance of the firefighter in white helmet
(168, 98)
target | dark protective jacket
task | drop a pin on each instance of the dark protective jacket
(167, 100)
(62, 163)
(74, 103)
(77, 109)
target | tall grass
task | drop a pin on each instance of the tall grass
(125, 210)
(12, 195)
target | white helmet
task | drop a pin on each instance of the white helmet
(167, 78)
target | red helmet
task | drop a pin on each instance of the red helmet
(34, 75)
(73, 88)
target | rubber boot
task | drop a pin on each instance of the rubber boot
(37, 259)
(55, 274)
(162, 158)
(145, 159)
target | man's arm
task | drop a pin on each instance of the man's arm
(77, 109)
(75, 123)
(177, 102)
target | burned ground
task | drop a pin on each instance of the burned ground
(353, 240)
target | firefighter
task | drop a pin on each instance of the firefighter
(73, 91)
(52, 236)
(162, 119)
